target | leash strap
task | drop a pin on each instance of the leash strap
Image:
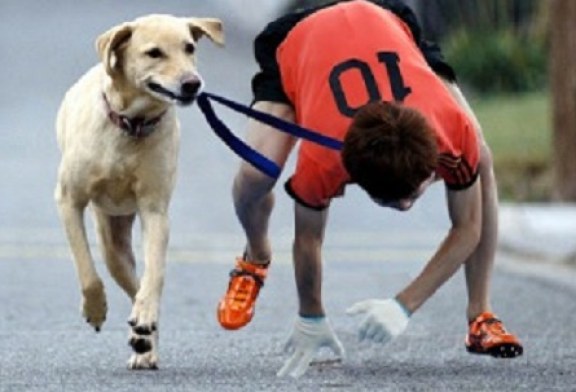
(246, 152)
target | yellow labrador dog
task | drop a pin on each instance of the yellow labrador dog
(119, 138)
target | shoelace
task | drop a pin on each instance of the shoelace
(492, 326)
(242, 292)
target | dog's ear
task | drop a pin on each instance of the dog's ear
(108, 45)
(210, 27)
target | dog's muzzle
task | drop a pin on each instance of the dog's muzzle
(188, 91)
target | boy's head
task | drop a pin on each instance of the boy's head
(390, 150)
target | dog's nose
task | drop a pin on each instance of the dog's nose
(190, 87)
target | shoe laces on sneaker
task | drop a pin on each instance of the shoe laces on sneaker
(245, 283)
(489, 324)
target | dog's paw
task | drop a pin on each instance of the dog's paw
(143, 361)
(94, 306)
(140, 344)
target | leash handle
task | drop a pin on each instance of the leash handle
(242, 149)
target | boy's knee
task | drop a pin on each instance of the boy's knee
(250, 180)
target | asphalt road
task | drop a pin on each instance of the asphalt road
(45, 345)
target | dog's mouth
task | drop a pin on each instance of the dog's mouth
(188, 92)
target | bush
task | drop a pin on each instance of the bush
(517, 127)
(497, 61)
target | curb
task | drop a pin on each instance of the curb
(544, 231)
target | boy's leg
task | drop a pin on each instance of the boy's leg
(252, 189)
(253, 203)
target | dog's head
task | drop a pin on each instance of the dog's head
(156, 54)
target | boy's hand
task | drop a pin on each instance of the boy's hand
(384, 319)
(307, 337)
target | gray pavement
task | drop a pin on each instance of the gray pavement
(45, 346)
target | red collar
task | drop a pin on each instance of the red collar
(137, 127)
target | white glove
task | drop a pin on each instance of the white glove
(385, 319)
(307, 337)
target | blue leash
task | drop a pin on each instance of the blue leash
(242, 149)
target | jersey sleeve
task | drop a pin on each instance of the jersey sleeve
(459, 167)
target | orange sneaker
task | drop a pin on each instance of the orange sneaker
(236, 309)
(487, 335)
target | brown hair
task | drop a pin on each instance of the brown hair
(389, 150)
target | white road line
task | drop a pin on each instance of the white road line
(363, 246)
(58, 252)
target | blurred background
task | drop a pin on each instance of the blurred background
(516, 61)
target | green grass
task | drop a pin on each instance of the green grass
(516, 125)
(518, 130)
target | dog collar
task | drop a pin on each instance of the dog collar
(137, 127)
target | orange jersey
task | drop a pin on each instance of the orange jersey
(341, 57)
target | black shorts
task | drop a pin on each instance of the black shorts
(267, 83)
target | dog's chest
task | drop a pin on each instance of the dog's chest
(115, 185)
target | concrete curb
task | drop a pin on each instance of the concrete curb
(544, 231)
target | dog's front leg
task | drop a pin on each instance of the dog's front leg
(145, 311)
(94, 305)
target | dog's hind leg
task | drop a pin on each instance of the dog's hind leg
(94, 305)
(115, 234)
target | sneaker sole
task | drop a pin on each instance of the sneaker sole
(233, 326)
(505, 350)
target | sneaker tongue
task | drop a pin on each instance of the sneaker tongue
(255, 269)
(485, 317)
(491, 321)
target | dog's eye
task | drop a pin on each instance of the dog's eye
(154, 53)
(189, 48)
